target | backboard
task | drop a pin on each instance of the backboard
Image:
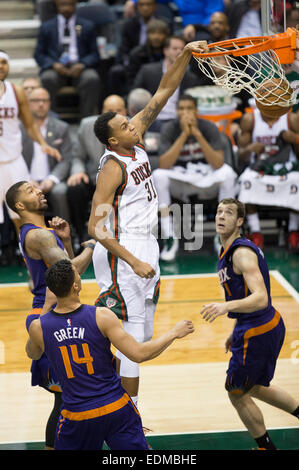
(278, 15)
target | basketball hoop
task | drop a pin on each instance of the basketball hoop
(244, 63)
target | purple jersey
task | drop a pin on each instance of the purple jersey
(82, 359)
(36, 267)
(234, 284)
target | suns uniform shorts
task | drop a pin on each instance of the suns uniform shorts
(121, 429)
(121, 290)
(255, 348)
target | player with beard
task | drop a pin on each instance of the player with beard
(42, 246)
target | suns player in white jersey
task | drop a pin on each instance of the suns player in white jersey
(14, 107)
(126, 259)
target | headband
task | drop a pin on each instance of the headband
(5, 56)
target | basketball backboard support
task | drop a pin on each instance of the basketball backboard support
(276, 17)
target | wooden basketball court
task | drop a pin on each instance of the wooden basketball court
(182, 391)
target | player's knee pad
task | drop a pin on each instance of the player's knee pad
(150, 308)
(128, 368)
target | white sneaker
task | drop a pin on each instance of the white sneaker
(170, 248)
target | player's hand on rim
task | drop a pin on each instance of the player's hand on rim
(197, 46)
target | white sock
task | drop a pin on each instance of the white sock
(293, 222)
(167, 226)
(254, 222)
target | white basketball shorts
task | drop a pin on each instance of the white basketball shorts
(121, 290)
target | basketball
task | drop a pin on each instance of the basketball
(272, 94)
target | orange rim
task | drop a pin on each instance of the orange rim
(284, 45)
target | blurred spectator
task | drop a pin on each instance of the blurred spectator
(29, 84)
(216, 30)
(268, 156)
(137, 99)
(245, 19)
(115, 104)
(133, 29)
(191, 12)
(121, 78)
(66, 50)
(82, 180)
(150, 75)
(132, 33)
(150, 51)
(47, 174)
(191, 162)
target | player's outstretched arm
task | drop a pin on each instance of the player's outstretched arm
(111, 328)
(169, 83)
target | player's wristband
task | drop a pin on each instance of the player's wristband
(90, 245)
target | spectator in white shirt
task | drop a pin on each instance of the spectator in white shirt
(48, 174)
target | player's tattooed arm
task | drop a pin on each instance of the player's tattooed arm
(150, 113)
(42, 244)
(169, 83)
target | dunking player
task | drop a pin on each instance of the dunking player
(77, 340)
(42, 246)
(259, 331)
(126, 262)
(14, 106)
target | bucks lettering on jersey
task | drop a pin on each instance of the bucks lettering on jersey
(10, 135)
(135, 205)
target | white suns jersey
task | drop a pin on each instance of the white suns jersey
(267, 135)
(10, 135)
(135, 205)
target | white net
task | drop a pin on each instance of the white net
(249, 72)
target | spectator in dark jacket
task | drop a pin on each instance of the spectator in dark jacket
(67, 53)
(121, 79)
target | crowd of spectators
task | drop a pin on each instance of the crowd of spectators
(149, 34)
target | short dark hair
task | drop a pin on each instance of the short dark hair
(241, 212)
(12, 195)
(156, 24)
(186, 97)
(60, 277)
(101, 127)
(179, 37)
